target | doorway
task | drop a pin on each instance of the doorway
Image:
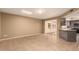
(51, 28)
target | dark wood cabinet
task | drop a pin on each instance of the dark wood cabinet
(68, 35)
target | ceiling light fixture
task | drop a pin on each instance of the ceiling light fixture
(40, 11)
(27, 12)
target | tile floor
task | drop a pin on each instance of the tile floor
(43, 42)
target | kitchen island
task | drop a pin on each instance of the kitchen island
(68, 35)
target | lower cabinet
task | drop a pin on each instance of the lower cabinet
(68, 35)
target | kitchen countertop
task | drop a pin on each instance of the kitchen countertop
(67, 30)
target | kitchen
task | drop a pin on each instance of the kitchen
(69, 27)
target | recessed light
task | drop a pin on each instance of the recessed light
(40, 11)
(27, 12)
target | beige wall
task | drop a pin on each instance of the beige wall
(0, 25)
(13, 25)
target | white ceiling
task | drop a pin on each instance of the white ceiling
(73, 16)
(46, 12)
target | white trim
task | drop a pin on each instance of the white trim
(20, 36)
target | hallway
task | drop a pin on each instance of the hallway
(42, 42)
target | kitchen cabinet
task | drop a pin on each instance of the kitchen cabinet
(68, 35)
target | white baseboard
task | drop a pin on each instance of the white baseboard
(20, 36)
